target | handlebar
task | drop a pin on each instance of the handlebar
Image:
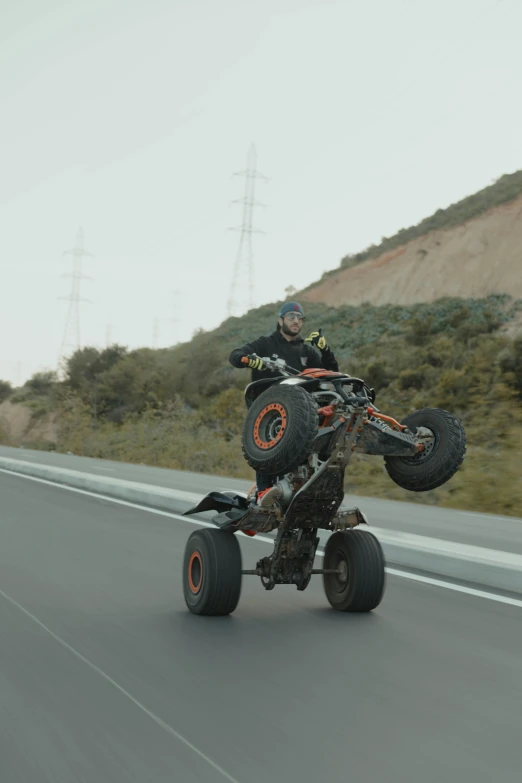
(275, 365)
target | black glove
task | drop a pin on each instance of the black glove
(254, 362)
(317, 339)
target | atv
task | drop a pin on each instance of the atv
(303, 427)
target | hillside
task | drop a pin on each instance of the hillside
(504, 191)
(480, 257)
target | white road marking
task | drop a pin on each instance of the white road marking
(266, 540)
(428, 580)
(157, 720)
(494, 517)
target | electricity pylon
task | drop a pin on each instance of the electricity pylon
(244, 264)
(71, 334)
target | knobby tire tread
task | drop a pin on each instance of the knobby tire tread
(439, 470)
(296, 444)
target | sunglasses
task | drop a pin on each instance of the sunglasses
(294, 317)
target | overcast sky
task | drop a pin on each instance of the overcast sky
(129, 118)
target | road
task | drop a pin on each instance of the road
(105, 676)
(485, 530)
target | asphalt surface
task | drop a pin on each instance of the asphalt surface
(486, 530)
(102, 668)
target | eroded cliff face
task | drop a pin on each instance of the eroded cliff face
(17, 425)
(478, 258)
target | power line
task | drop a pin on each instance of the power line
(108, 335)
(244, 263)
(71, 334)
(171, 319)
(155, 331)
(176, 307)
(156, 328)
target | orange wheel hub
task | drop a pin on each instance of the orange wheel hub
(195, 572)
(270, 426)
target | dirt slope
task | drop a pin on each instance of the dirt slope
(17, 426)
(473, 260)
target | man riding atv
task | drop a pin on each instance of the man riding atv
(299, 354)
(303, 425)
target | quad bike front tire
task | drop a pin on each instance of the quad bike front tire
(212, 572)
(359, 585)
(279, 430)
(441, 458)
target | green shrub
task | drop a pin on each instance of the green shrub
(5, 390)
(510, 361)
(412, 378)
(41, 383)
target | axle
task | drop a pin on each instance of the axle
(259, 572)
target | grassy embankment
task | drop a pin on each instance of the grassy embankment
(183, 407)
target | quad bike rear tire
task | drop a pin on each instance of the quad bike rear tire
(280, 429)
(441, 459)
(212, 572)
(359, 587)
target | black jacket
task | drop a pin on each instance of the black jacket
(297, 353)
